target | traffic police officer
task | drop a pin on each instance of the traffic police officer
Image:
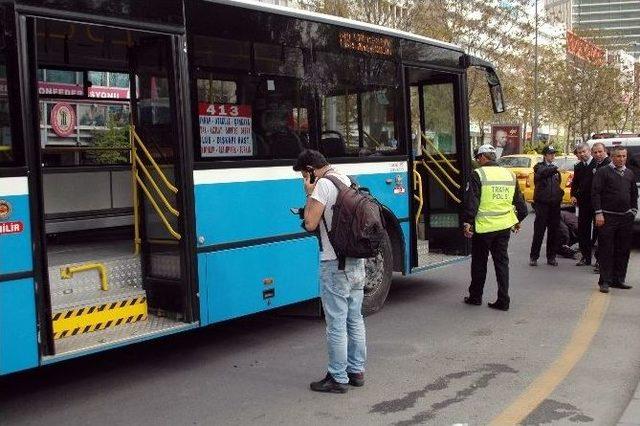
(547, 198)
(489, 217)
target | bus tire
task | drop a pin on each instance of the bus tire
(378, 272)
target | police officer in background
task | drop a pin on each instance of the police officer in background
(489, 218)
(615, 201)
(547, 198)
(583, 173)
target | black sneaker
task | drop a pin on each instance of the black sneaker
(604, 288)
(470, 301)
(356, 379)
(583, 262)
(328, 384)
(622, 286)
(533, 262)
(552, 262)
(499, 306)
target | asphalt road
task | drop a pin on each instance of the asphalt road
(432, 360)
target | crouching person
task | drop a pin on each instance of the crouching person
(342, 286)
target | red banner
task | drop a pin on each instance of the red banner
(584, 49)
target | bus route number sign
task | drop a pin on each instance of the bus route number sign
(225, 130)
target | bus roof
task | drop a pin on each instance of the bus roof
(335, 20)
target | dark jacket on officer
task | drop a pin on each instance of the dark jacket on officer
(547, 181)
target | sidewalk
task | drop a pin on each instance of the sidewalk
(631, 415)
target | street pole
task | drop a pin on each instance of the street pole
(534, 125)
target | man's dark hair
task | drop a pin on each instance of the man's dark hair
(312, 158)
(598, 144)
(618, 148)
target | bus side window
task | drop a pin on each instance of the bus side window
(358, 100)
(10, 151)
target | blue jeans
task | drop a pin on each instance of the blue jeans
(342, 293)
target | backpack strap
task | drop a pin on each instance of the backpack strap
(337, 182)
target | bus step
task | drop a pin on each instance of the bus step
(99, 315)
(124, 278)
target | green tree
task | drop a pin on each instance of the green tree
(112, 144)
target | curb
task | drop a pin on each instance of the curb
(631, 415)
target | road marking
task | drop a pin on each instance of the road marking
(542, 387)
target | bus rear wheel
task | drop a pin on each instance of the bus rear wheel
(378, 272)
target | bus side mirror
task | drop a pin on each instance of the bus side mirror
(495, 89)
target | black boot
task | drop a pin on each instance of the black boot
(328, 384)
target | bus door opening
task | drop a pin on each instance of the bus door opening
(112, 204)
(438, 168)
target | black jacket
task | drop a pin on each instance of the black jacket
(547, 182)
(614, 194)
(472, 199)
(582, 180)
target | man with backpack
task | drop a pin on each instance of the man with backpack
(493, 208)
(335, 208)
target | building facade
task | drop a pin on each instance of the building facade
(617, 21)
(559, 12)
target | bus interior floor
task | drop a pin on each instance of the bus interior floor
(62, 254)
(151, 327)
(430, 259)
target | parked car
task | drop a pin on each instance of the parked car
(521, 165)
(565, 165)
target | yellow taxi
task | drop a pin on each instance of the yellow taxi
(521, 165)
(565, 165)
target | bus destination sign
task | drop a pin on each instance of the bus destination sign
(365, 43)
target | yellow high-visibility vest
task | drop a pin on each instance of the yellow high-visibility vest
(496, 211)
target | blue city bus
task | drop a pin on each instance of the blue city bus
(146, 151)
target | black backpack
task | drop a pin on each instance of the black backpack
(357, 225)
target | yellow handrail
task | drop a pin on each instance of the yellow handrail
(166, 202)
(442, 185)
(440, 154)
(444, 172)
(5, 148)
(166, 223)
(137, 163)
(417, 188)
(67, 272)
(375, 141)
(153, 162)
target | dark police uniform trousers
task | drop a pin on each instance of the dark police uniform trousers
(547, 218)
(614, 239)
(495, 243)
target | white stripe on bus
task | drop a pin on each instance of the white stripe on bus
(255, 174)
(14, 186)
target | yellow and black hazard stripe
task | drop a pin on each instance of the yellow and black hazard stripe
(98, 317)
